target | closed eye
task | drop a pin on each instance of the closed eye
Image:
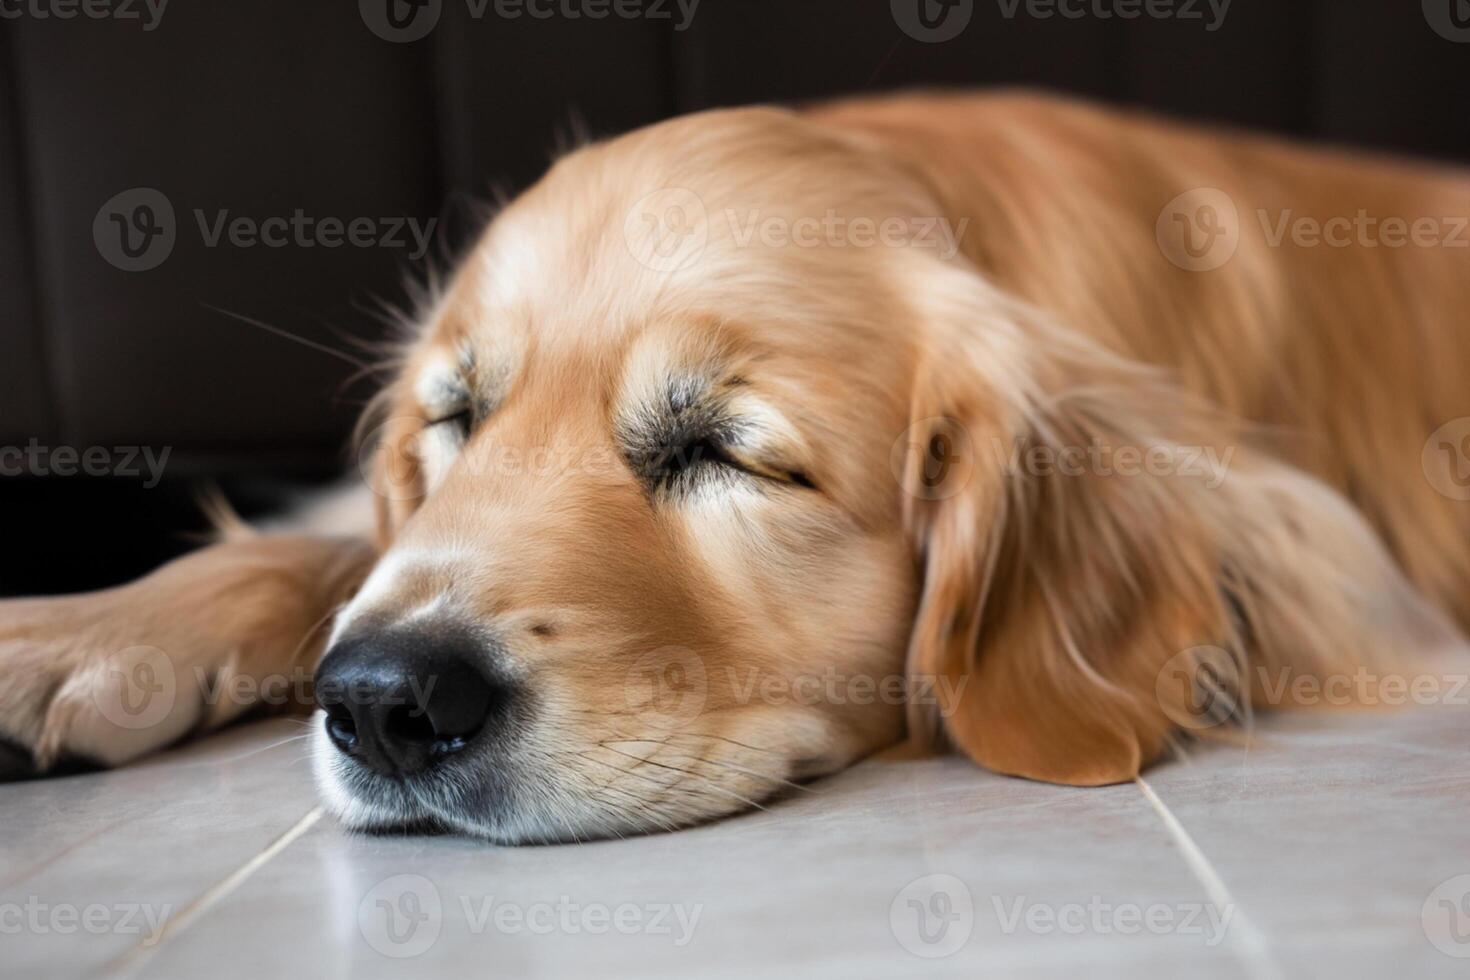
(709, 453)
(461, 420)
(683, 460)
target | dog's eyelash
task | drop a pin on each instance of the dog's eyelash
(462, 420)
(679, 462)
(704, 452)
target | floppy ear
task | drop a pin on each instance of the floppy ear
(1097, 547)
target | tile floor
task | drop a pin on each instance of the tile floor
(1339, 846)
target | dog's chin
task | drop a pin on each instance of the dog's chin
(364, 801)
(492, 803)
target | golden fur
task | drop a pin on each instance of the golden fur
(877, 515)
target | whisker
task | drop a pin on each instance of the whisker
(288, 335)
(718, 762)
(263, 748)
(689, 772)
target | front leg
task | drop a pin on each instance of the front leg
(108, 676)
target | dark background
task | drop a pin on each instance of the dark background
(268, 106)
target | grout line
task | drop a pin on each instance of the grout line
(1254, 948)
(220, 890)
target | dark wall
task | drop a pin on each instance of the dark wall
(267, 108)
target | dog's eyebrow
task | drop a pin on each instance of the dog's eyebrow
(452, 382)
(441, 383)
(687, 410)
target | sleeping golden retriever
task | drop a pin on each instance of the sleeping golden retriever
(756, 441)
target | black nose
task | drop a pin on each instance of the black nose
(401, 702)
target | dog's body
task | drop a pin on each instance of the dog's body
(1340, 344)
(1131, 414)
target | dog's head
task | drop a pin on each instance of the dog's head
(707, 474)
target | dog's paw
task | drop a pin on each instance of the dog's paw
(77, 695)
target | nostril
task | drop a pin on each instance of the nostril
(341, 729)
